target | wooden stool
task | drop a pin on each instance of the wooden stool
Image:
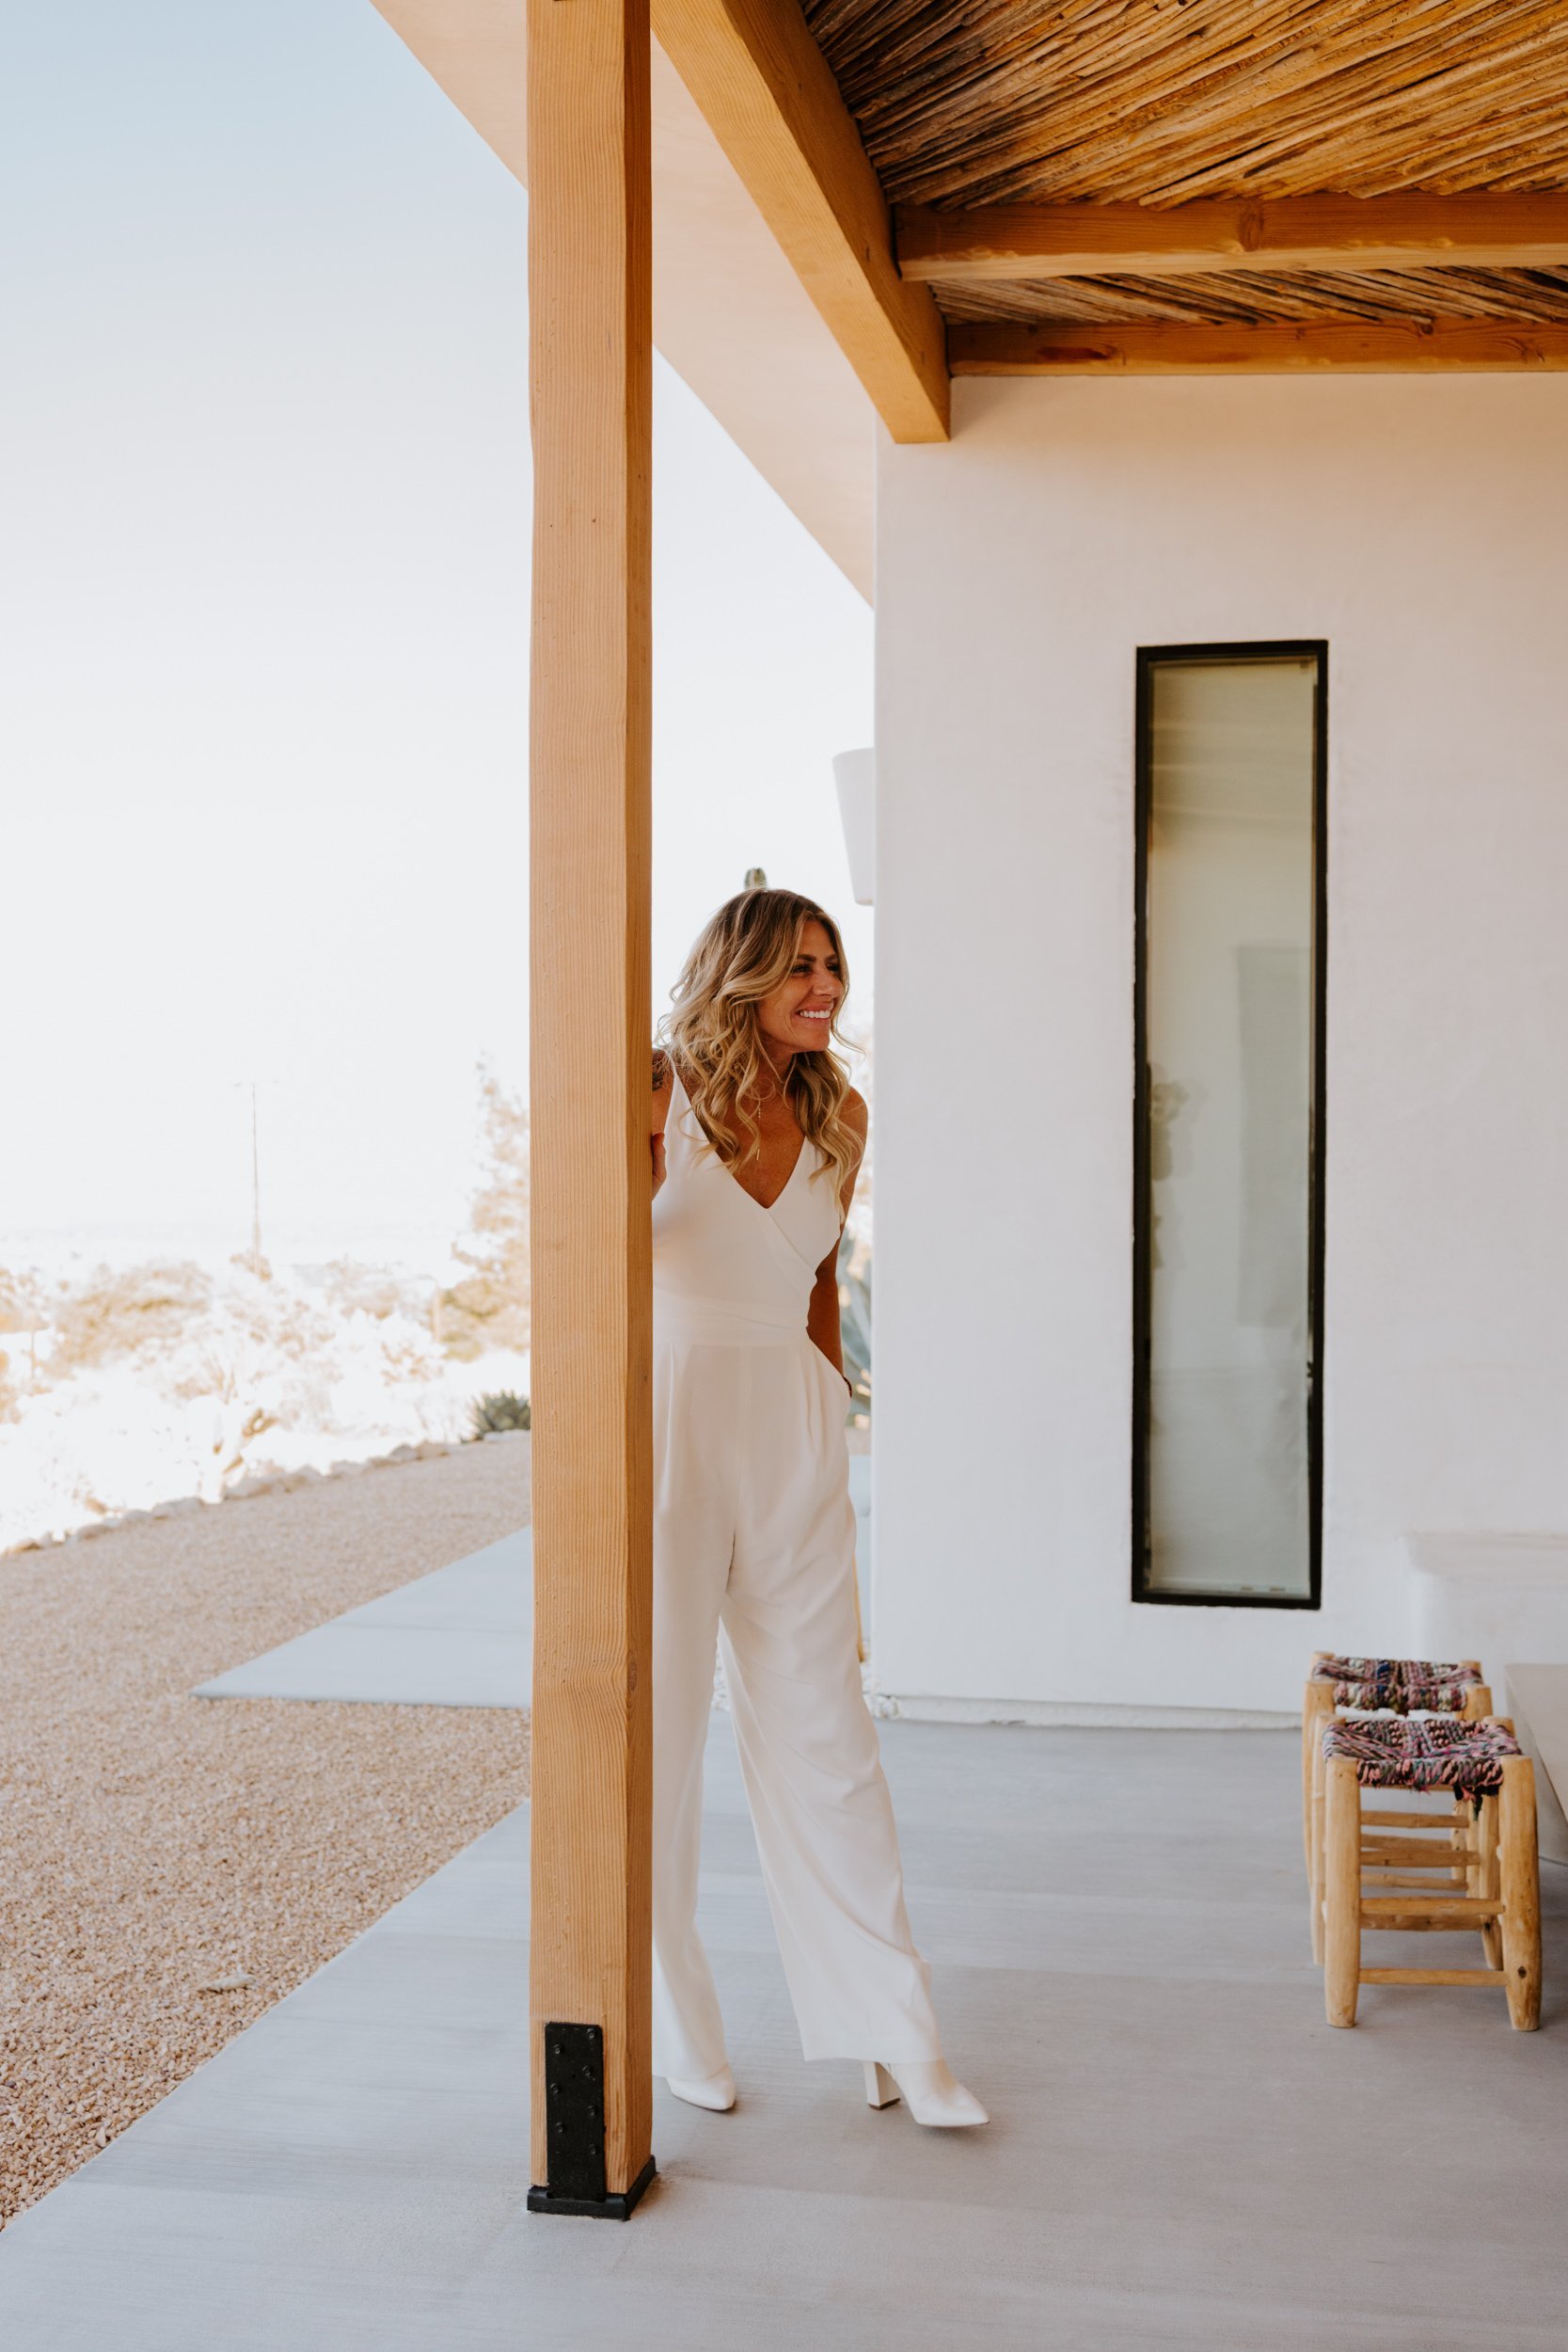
(1482, 1765)
(1402, 1685)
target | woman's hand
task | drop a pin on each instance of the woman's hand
(660, 1113)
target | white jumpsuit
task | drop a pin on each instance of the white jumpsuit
(753, 1546)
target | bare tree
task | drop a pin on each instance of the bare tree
(489, 1306)
(23, 1310)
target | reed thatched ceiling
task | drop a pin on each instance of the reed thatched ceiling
(985, 101)
(968, 103)
(1528, 296)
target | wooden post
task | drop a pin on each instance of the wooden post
(590, 378)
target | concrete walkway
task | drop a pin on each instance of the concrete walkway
(462, 1636)
(1183, 2154)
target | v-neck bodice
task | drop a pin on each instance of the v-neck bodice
(721, 1259)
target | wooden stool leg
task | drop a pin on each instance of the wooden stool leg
(1316, 1859)
(1342, 1892)
(1521, 1893)
(1313, 1709)
(1488, 1878)
(1313, 1781)
(1480, 1875)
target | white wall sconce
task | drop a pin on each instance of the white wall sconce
(855, 774)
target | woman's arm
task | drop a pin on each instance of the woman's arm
(822, 1314)
(822, 1322)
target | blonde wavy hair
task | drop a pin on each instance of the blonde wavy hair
(712, 1036)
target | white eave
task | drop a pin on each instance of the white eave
(730, 315)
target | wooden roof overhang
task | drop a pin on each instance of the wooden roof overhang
(1113, 187)
(859, 199)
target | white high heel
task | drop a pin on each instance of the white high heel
(714, 2091)
(930, 2090)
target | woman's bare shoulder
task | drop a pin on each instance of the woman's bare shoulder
(664, 1076)
(856, 1115)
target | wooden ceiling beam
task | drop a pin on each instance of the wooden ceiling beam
(1059, 347)
(1016, 242)
(771, 102)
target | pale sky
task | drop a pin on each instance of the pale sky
(264, 630)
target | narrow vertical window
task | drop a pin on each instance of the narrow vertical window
(1228, 1140)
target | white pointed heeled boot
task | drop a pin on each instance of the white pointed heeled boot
(715, 2091)
(930, 2090)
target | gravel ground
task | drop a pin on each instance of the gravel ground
(169, 1866)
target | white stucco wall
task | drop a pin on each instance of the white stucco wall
(1421, 527)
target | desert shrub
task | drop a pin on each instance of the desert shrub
(141, 1310)
(375, 1291)
(854, 1318)
(502, 1409)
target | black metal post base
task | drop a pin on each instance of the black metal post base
(616, 2208)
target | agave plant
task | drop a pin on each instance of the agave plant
(854, 1319)
(502, 1409)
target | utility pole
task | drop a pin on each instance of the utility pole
(253, 1257)
(256, 1258)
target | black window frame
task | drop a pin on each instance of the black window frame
(1148, 659)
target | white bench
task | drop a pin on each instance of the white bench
(1504, 1598)
(1537, 1698)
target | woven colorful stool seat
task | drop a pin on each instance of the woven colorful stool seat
(1402, 1685)
(1407, 1685)
(1489, 1844)
(1422, 1753)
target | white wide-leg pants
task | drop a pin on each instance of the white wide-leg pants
(753, 1546)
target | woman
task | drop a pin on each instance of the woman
(756, 1141)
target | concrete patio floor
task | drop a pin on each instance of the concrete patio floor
(1183, 2154)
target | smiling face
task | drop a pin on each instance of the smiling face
(797, 1017)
